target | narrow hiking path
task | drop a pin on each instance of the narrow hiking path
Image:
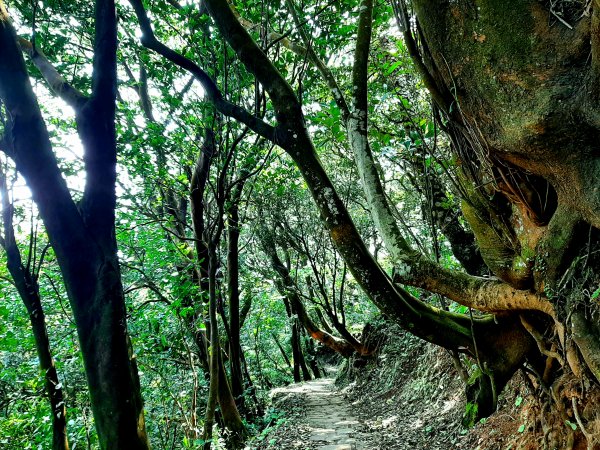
(330, 418)
(411, 401)
(318, 418)
(409, 397)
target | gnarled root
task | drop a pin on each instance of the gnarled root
(587, 337)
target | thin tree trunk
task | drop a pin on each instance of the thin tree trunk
(211, 404)
(294, 305)
(298, 355)
(229, 411)
(53, 386)
(282, 351)
(312, 362)
(29, 291)
(219, 390)
(233, 233)
(295, 354)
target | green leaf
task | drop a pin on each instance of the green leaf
(393, 67)
(521, 428)
(571, 424)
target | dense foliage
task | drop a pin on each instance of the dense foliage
(202, 199)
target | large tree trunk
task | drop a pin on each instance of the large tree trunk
(83, 238)
(526, 121)
(113, 383)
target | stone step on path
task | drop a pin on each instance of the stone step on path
(329, 417)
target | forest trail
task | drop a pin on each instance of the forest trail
(329, 417)
(414, 403)
(324, 418)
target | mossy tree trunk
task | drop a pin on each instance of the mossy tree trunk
(518, 89)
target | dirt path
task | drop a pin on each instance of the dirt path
(323, 419)
(329, 416)
(408, 398)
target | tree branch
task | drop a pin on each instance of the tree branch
(213, 93)
(309, 51)
(287, 288)
(96, 128)
(57, 83)
(31, 148)
(483, 294)
(99, 146)
(256, 61)
(104, 76)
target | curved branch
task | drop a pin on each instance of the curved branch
(255, 60)
(213, 93)
(482, 294)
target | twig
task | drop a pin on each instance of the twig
(561, 20)
(589, 437)
(538, 339)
